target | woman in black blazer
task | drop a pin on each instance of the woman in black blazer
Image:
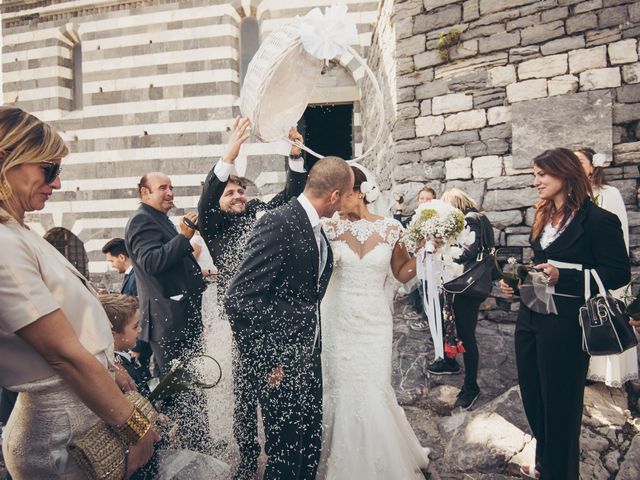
(569, 234)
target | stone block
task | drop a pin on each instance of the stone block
(444, 17)
(547, 123)
(527, 90)
(600, 78)
(602, 37)
(487, 167)
(627, 153)
(431, 89)
(498, 132)
(427, 59)
(408, 110)
(587, 59)
(563, 85)
(466, 81)
(498, 200)
(498, 115)
(523, 21)
(509, 169)
(407, 94)
(458, 168)
(626, 112)
(425, 108)
(411, 46)
(413, 145)
(497, 146)
(504, 219)
(404, 65)
(587, 6)
(510, 182)
(406, 158)
(612, 17)
(472, 65)
(490, 6)
(404, 28)
(631, 73)
(518, 240)
(628, 94)
(466, 120)
(428, 126)
(559, 13)
(413, 172)
(542, 33)
(473, 188)
(499, 41)
(455, 138)
(455, 102)
(470, 10)
(580, 23)
(520, 54)
(543, 67)
(464, 50)
(441, 153)
(493, 97)
(562, 45)
(502, 76)
(625, 51)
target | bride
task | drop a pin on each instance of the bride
(365, 432)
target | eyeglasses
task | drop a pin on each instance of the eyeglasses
(51, 171)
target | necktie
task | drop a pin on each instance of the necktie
(322, 249)
(124, 280)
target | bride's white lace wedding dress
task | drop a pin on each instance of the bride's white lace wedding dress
(365, 432)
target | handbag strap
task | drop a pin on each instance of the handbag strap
(588, 273)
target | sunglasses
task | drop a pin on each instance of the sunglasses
(51, 171)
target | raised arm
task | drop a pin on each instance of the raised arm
(296, 174)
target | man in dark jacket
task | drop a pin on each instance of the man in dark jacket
(226, 218)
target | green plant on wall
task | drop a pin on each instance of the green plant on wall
(446, 41)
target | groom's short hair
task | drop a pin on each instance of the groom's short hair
(328, 174)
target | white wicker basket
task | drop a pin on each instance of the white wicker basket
(280, 81)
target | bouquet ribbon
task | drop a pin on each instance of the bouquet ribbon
(427, 270)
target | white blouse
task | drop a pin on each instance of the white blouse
(610, 199)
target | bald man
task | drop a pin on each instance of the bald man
(170, 287)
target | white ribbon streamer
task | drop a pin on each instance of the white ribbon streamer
(428, 270)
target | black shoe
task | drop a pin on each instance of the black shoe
(442, 367)
(466, 399)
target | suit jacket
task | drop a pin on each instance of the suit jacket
(226, 234)
(273, 300)
(165, 267)
(129, 286)
(593, 239)
(135, 373)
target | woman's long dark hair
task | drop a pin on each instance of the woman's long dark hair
(563, 164)
(597, 177)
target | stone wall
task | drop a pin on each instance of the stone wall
(160, 81)
(468, 119)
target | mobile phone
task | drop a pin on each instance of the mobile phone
(190, 224)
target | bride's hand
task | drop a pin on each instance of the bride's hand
(274, 378)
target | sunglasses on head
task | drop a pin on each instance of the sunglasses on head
(51, 171)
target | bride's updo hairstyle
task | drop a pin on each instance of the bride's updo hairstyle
(362, 184)
(360, 177)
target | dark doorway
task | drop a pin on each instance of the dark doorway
(328, 130)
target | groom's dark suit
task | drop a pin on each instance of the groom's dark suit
(273, 305)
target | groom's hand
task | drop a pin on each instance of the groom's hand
(274, 378)
(240, 132)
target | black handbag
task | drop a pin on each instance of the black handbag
(604, 323)
(477, 280)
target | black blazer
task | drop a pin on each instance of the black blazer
(165, 267)
(273, 300)
(593, 239)
(225, 233)
(129, 286)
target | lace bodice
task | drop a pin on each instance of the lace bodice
(362, 236)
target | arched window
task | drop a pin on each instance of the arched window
(75, 46)
(249, 43)
(71, 247)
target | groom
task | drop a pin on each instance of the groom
(273, 303)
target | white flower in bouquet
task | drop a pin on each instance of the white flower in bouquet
(434, 219)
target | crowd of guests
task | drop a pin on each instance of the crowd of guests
(73, 354)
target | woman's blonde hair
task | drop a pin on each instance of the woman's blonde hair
(460, 200)
(25, 138)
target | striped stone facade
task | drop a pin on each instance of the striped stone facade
(153, 89)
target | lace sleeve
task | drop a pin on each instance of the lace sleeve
(394, 232)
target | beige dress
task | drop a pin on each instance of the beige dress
(35, 280)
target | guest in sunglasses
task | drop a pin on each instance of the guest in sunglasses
(54, 334)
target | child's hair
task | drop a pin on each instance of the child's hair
(120, 309)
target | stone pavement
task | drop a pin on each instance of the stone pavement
(492, 440)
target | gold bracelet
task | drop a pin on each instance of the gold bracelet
(133, 429)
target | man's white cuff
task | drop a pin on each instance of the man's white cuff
(223, 170)
(296, 165)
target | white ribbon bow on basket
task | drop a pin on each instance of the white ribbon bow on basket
(327, 36)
